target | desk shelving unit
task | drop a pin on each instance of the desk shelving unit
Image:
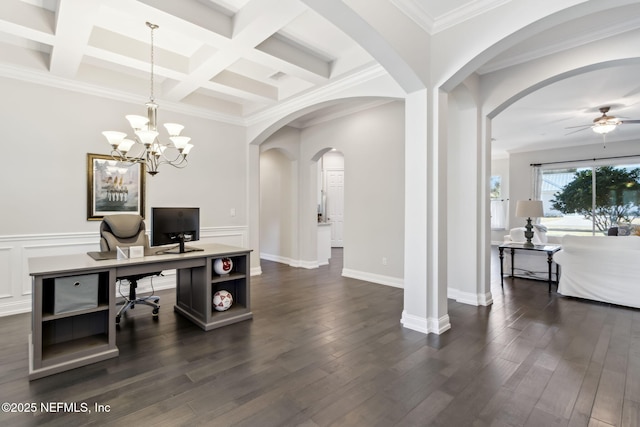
(63, 341)
(192, 285)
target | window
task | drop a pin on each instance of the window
(590, 200)
(498, 205)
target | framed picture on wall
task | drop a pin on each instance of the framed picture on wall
(113, 187)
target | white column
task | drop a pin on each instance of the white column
(484, 247)
(253, 206)
(468, 204)
(308, 214)
(425, 278)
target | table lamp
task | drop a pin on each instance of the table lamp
(529, 209)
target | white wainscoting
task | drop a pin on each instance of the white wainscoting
(15, 251)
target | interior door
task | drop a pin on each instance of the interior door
(335, 206)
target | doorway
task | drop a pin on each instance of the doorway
(333, 183)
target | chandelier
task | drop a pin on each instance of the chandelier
(145, 145)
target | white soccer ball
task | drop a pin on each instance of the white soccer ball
(222, 300)
(223, 265)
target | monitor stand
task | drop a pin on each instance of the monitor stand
(181, 249)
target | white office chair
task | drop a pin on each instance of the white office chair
(124, 230)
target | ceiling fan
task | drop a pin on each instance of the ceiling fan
(603, 124)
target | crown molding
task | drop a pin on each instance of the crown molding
(434, 24)
(416, 13)
(46, 79)
(365, 74)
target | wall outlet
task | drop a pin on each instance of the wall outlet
(232, 212)
(384, 260)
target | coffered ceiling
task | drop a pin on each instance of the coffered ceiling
(230, 59)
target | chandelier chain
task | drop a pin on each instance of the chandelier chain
(153, 27)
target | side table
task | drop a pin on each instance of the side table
(549, 249)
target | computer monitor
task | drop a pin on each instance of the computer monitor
(175, 225)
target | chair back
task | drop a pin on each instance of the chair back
(122, 230)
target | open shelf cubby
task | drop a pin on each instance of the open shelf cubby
(190, 293)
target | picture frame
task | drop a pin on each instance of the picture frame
(114, 187)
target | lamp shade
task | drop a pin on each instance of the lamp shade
(529, 209)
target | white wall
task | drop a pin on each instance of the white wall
(372, 143)
(277, 209)
(47, 133)
(333, 160)
(372, 146)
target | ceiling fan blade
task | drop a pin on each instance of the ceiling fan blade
(576, 131)
(581, 126)
(631, 121)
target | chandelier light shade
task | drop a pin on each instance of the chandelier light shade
(145, 145)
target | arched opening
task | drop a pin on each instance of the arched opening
(369, 153)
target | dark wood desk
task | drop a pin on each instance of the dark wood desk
(62, 341)
(548, 249)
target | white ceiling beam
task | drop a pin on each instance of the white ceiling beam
(74, 21)
(256, 22)
(195, 13)
(280, 48)
(247, 86)
(106, 45)
(286, 67)
(27, 21)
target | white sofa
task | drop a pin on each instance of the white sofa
(600, 268)
(529, 264)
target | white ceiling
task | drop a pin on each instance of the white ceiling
(230, 59)
(540, 119)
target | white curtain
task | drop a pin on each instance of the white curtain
(498, 214)
(536, 180)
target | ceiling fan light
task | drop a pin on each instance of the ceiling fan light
(603, 128)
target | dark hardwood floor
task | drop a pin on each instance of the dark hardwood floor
(326, 350)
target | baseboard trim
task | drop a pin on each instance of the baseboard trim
(289, 261)
(426, 325)
(470, 298)
(374, 278)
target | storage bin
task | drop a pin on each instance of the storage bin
(75, 293)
